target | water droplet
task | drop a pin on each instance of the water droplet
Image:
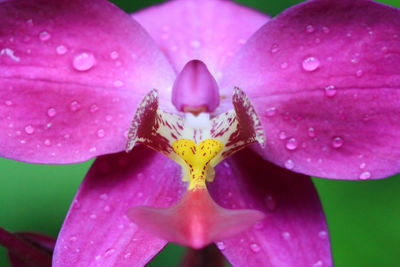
(289, 164)
(94, 108)
(83, 61)
(274, 48)
(101, 133)
(255, 248)
(8, 103)
(318, 264)
(310, 29)
(92, 149)
(286, 235)
(363, 165)
(310, 64)
(114, 55)
(108, 118)
(29, 129)
(337, 142)
(51, 112)
(103, 196)
(258, 226)
(107, 208)
(29, 22)
(44, 36)
(365, 175)
(47, 142)
(359, 73)
(118, 84)
(221, 245)
(97, 257)
(311, 132)
(291, 144)
(73, 238)
(127, 255)
(284, 65)
(330, 91)
(61, 50)
(93, 216)
(322, 235)
(109, 252)
(74, 106)
(271, 112)
(270, 202)
(325, 30)
(282, 135)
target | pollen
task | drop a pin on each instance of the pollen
(197, 158)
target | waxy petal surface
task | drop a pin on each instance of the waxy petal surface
(325, 78)
(96, 231)
(294, 232)
(71, 76)
(209, 30)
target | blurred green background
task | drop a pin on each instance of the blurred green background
(363, 217)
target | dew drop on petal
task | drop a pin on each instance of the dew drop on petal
(221, 245)
(118, 84)
(8, 103)
(94, 108)
(258, 226)
(282, 135)
(363, 165)
(127, 255)
(109, 252)
(286, 235)
(310, 64)
(310, 28)
(322, 235)
(74, 106)
(114, 55)
(270, 203)
(47, 142)
(365, 175)
(44, 36)
(330, 91)
(255, 248)
(61, 50)
(271, 112)
(83, 61)
(337, 142)
(51, 112)
(101, 133)
(291, 144)
(29, 129)
(103, 196)
(274, 48)
(359, 73)
(311, 132)
(326, 30)
(284, 65)
(289, 164)
(318, 264)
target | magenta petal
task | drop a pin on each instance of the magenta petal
(71, 76)
(96, 231)
(294, 232)
(211, 31)
(325, 78)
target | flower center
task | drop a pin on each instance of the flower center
(197, 158)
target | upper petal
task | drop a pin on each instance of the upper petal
(96, 231)
(209, 30)
(325, 78)
(71, 76)
(294, 232)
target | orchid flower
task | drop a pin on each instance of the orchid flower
(220, 90)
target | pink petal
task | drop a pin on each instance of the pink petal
(211, 31)
(72, 74)
(195, 221)
(96, 231)
(324, 76)
(294, 232)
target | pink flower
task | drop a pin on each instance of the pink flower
(316, 87)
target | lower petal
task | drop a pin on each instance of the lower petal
(294, 232)
(96, 231)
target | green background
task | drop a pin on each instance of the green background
(363, 217)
